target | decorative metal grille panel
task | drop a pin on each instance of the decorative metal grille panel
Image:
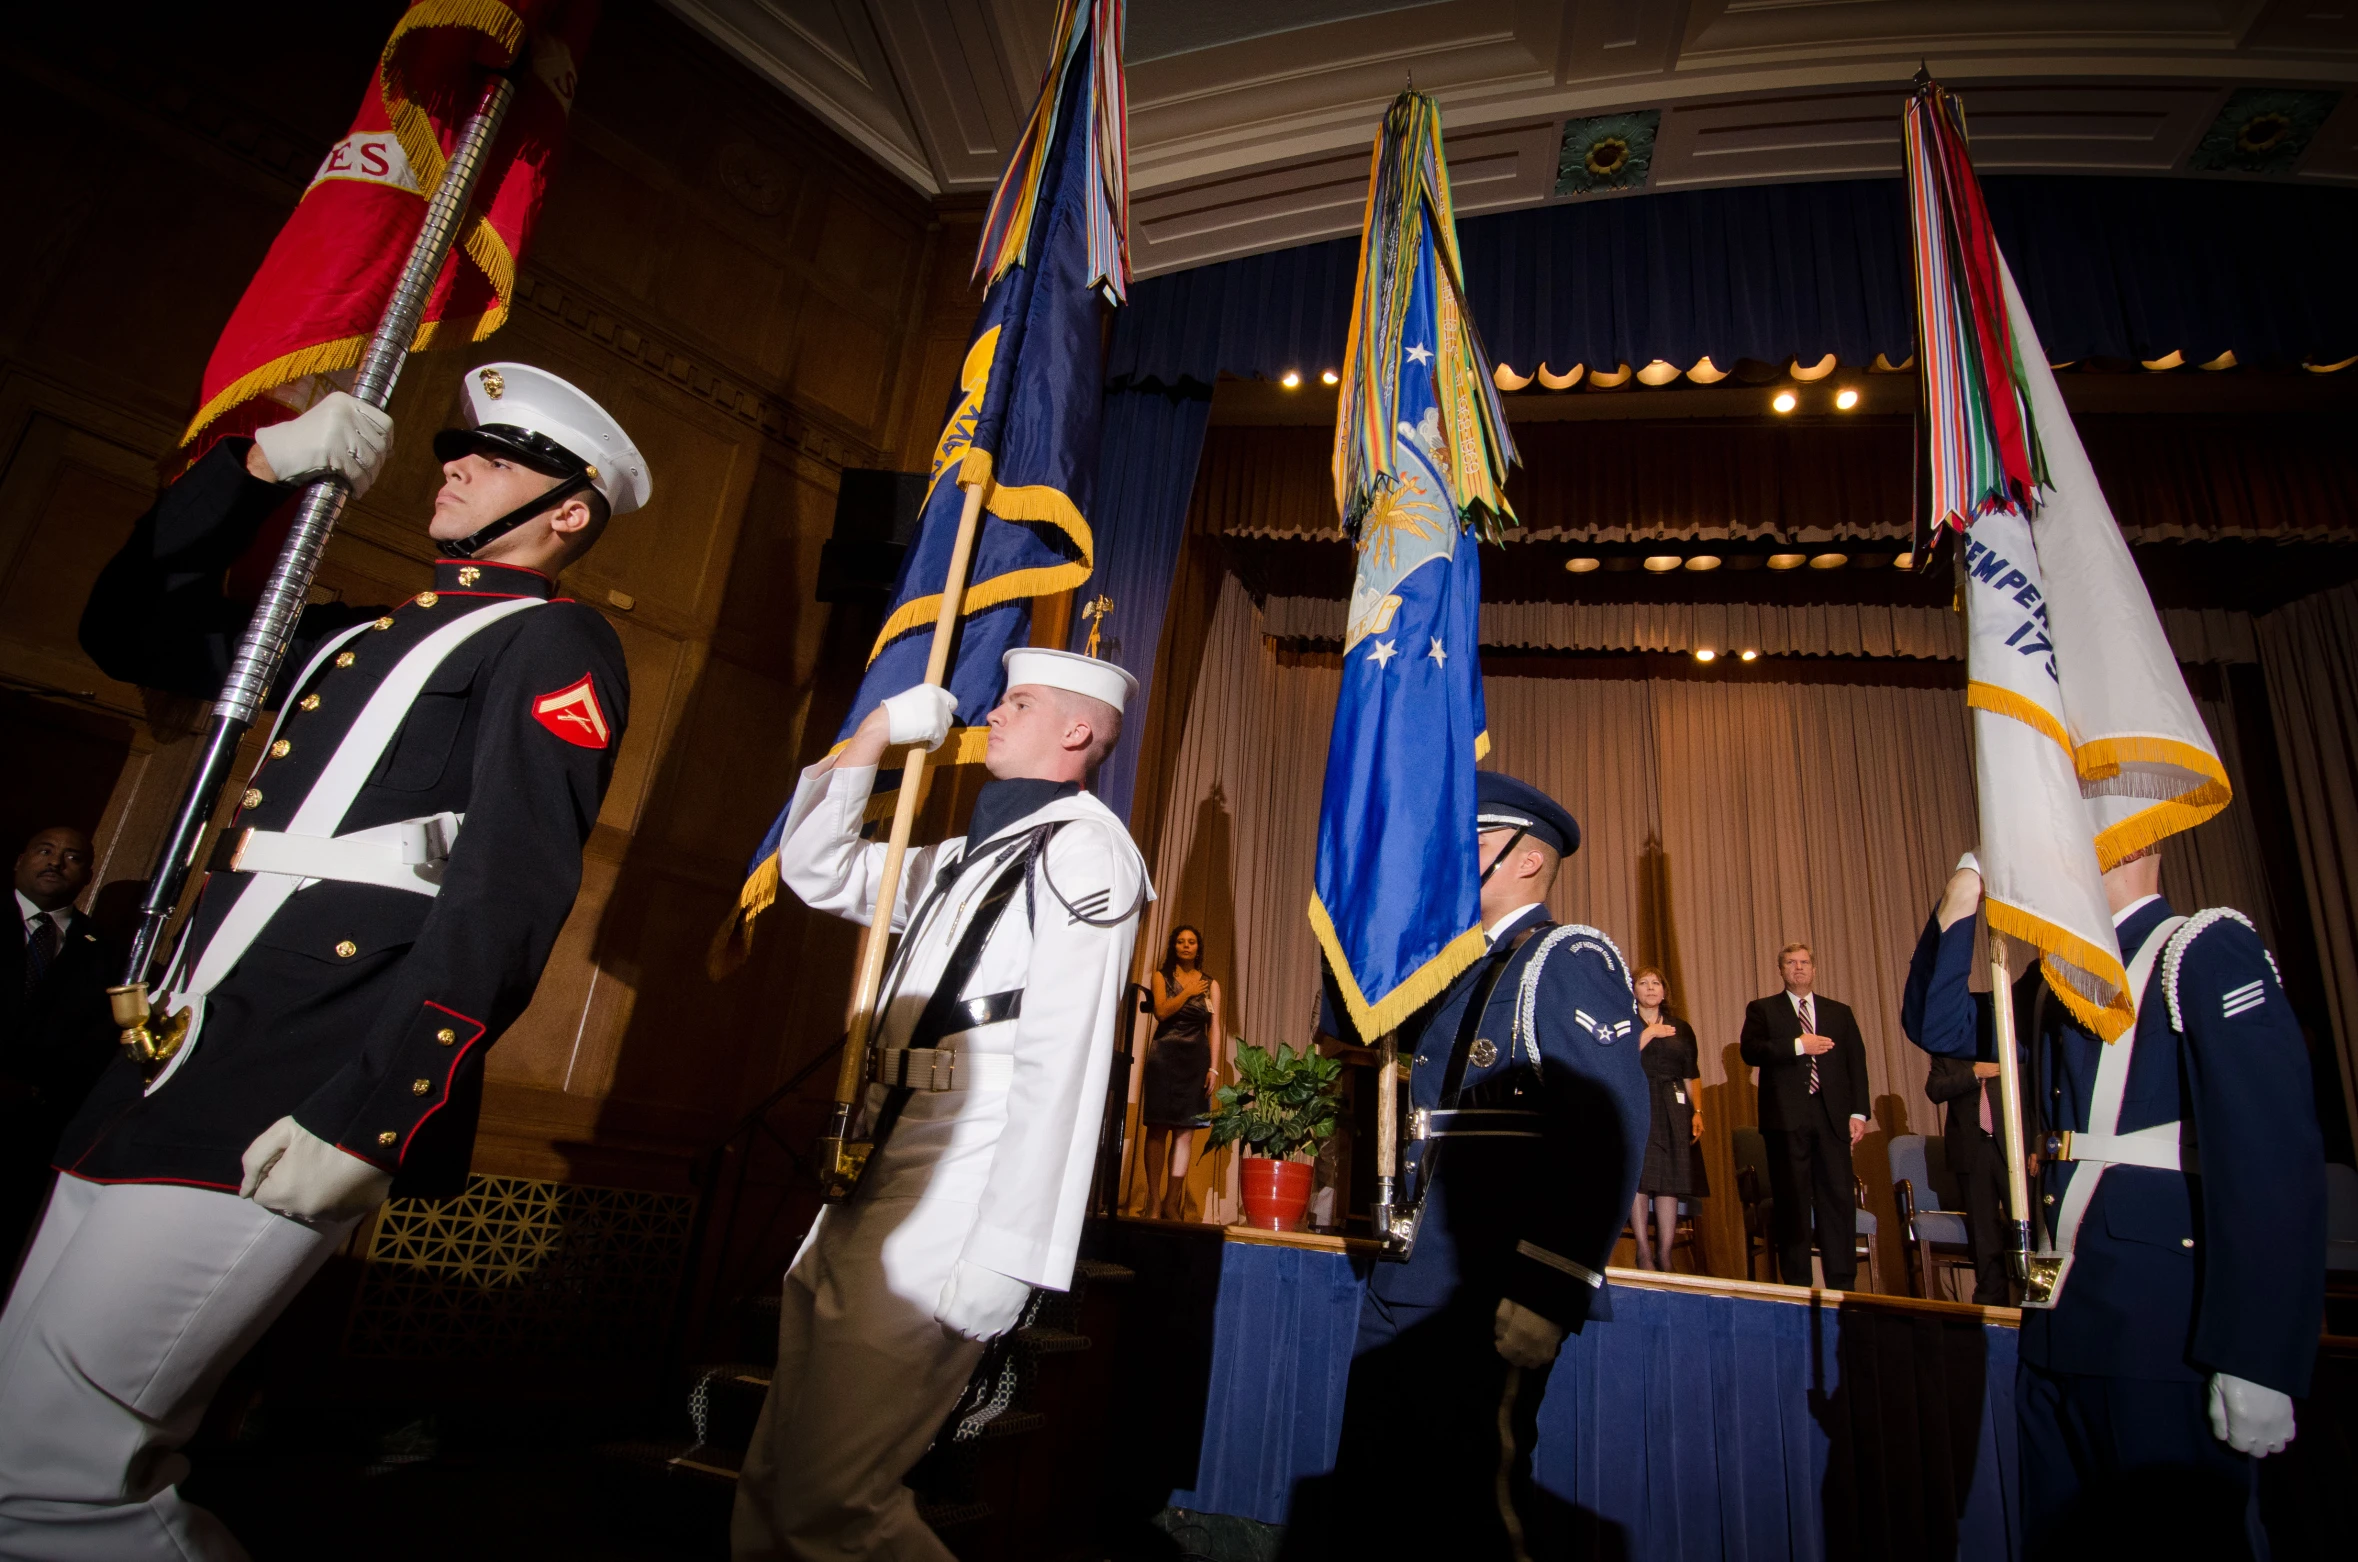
(515, 1267)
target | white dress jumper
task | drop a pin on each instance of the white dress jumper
(995, 1171)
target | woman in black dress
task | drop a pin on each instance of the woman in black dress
(1674, 1158)
(1175, 1094)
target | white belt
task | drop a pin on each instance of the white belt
(2160, 1147)
(408, 855)
(941, 1068)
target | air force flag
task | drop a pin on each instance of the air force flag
(1396, 903)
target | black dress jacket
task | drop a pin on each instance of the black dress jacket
(364, 1012)
(1951, 1084)
(1771, 1027)
(56, 1038)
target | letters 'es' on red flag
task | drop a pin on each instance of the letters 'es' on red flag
(315, 301)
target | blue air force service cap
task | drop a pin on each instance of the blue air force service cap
(1504, 803)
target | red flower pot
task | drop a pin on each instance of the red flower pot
(1275, 1192)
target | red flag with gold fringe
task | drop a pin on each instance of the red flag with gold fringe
(307, 316)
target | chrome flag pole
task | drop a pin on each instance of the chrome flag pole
(263, 648)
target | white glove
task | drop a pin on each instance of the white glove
(1524, 1338)
(920, 715)
(295, 1173)
(980, 1303)
(2250, 1417)
(341, 434)
(1969, 860)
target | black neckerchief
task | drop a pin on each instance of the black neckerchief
(1001, 803)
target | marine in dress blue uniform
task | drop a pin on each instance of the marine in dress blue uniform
(2194, 1295)
(379, 912)
(1526, 1165)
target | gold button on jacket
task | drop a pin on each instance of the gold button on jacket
(347, 949)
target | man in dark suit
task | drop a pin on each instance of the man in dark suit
(55, 1035)
(1813, 1109)
(1968, 1088)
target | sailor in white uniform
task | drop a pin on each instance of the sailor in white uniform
(994, 1040)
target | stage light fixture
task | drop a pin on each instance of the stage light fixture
(1330, 378)
(1663, 563)
(1785, 401)
(1829, 561)
(1293, 377)
(1704, 653)
(1787, 560)
(1582, 566)
(1703, 561)
(1751, 656)
(1846, 398)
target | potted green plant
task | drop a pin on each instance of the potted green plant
(1281, 1109)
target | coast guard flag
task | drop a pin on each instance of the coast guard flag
(2087, 746)
(307, 316)
(1023, 422)
(1421, 448)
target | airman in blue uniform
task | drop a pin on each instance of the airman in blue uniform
(1525, 1132)
(2187, 1320)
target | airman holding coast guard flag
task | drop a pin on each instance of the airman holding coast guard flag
(988, 1076)
(2174, 1249)
(377, 915)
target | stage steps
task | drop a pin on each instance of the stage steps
(999, 1463)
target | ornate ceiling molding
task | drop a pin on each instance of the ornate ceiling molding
(1250, 134)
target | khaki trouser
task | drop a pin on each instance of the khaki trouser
(865, 1377)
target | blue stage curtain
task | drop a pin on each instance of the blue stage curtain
(1153, 437)
(2110, 267)
(1690, 1426)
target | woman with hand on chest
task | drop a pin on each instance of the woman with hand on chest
(1674, 1158)
(1181, 1070)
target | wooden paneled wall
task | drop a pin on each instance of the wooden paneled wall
(757, 302)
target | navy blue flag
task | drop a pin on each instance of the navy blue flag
(1023, 423)
(1420, 451)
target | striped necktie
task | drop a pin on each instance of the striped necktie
(1809, 1026)
(41, 942)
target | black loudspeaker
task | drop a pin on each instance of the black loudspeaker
(876, 515)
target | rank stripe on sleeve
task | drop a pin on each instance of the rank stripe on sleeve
(572, 713)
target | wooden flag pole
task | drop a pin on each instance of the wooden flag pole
(2018, 1207)
(840, 1159)
(1387, 1133)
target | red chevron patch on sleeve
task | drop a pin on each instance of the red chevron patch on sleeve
(572, 714)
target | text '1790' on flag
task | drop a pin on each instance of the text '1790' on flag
(1421, 453)
(2087, 746)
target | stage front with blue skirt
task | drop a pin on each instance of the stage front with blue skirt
(1705, 1419)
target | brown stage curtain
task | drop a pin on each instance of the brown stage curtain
(2309, 653)
(2168, 479)
(1723, 817)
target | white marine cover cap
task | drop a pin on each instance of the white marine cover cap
(519, 396)
(1100, 680)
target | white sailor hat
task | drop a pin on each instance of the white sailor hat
(1100, 680)
(550, 426)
